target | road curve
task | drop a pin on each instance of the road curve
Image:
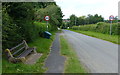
(98, 56)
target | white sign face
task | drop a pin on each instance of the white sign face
(111, 18)
(47, 18)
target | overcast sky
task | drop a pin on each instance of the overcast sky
(85, 7)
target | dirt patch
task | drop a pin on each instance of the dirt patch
(32, 59)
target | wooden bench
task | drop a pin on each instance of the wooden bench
(19, 52)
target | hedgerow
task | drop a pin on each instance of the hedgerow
(99, 27)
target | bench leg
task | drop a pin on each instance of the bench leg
(11, 59)
(22, 59)
(34, 50)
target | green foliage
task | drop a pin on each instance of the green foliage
(82, 20)
(72, 20)
(53, 11)
(39, 28)
(99, 27)
(9, 30)
(20, 21)
(43, 46)
(92, 19)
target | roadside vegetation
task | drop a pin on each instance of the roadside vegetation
(72, 64)
(100, 27)
(25, 21)
(100, 30)
(43, 46)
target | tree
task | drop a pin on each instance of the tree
(92, 19)
(53, 11)
(73, 20)
(81, 20)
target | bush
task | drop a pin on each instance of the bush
(9, 31)
(39, 28)
(99, 27)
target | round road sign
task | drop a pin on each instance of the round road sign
(46, 18)
(111, 18)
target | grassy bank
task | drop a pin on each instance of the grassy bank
(107, 37)
(72, 64)
(43, 46)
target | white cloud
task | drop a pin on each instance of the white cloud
(85, 7)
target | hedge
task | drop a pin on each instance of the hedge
(99, 27)
(14, 34)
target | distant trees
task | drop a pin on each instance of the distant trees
(94, 19)
(83, 20)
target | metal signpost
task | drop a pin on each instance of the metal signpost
(111, 18)
(47, 18)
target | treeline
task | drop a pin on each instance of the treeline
(25, 20)
(100, 27)
(83, 20)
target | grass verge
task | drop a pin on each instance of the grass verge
(107, 37)
(72, 64)
(43, 46)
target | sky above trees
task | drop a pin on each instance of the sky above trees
(85, 7)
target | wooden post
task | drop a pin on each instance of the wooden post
(35, 50)
(25, 44)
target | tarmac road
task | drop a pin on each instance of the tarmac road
(97, 55)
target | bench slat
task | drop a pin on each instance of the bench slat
(18, 50)
(25, 53)
(16, 46)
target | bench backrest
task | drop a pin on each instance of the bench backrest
(19, 48)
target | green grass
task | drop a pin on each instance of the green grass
(43, 46)
(72, 64)
(0, 66)
(107, 37)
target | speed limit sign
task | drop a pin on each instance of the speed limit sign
(46, 18)
(111, 18)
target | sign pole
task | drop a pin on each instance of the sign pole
(111, 18)
(111, 28)
(46, 18)
(47, 25)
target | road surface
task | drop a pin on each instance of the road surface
(97, 55)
